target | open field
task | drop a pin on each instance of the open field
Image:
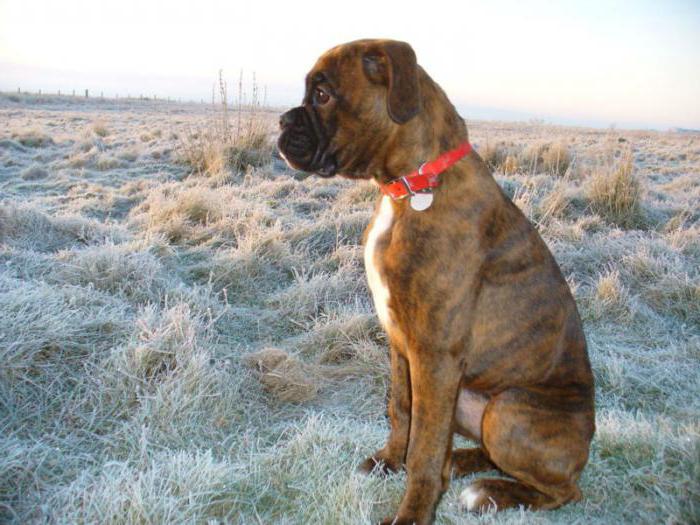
(186, 334)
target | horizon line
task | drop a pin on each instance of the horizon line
(468, 112)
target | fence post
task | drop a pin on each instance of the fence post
(86, 93)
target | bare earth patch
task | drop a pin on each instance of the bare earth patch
(186, 334)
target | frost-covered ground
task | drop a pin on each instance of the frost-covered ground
(186, 333)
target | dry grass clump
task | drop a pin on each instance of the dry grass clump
(556, 158)
(25, 226)
(183, 213)
(530, 157)
(551, 157)
(106, 162)
(198, 204)
(45, 328)
(11, 145)
(610, 297)
(608, 288)
(80, 160)
(131, 154)
(289, 379)
(34, 172)
(676, 295)
(335, 339)
(359, 196)
(531, 195)
(33, 138)
(286, 378)
(653, 456)
(501, 157)
(314, 296)
(510, 165)
(99, 128)
(165, 374)
(493, 154)
(166, 341)
(666, 282)
(326, 234)
(129, 269)
(616, 193)
(22, 463)
(207, 152)
(183, 487)
(684, 237)
(221, 146)
(263, 261)
(252, 270)
(555, 203)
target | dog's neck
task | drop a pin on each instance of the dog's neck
(436, 129)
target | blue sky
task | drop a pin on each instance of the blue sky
(632, 64)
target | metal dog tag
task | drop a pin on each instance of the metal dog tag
(421, 201)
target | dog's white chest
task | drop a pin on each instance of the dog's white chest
(380, 292)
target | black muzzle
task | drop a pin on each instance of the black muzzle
(304, 143)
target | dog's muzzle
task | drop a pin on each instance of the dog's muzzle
(304, 144)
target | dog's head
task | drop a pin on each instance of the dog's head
(357, 95)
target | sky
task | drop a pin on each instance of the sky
(632, 64)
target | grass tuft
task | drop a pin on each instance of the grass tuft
(33, 139)
(28, 227)
(125, 269)
(34, 172)
(493, 154)
(556, 158)
(99, 128)
(616, 193)
(284, 377)
(221, 147)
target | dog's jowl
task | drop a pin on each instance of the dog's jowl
(485, 338)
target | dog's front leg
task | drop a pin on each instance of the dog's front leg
(435, 379)
(393, 455)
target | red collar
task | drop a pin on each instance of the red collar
(427, 176)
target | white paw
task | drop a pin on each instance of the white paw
(469, 498)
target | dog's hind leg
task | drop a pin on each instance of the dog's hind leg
(486, 495)
(466, 461)
(469, 413)
(539, 438)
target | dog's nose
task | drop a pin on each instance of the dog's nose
(287, 119)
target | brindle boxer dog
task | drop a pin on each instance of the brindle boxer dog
(484, 334)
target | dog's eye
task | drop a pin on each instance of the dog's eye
(320, 96)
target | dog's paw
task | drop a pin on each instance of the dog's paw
(490, 495)
(474, 499)
(378, 464)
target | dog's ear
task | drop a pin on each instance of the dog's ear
(394, 65)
